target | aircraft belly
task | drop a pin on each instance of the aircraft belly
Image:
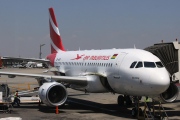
(73, 72)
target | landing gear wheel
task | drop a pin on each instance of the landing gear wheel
(120, 100)
(128, 100)
(134, 112)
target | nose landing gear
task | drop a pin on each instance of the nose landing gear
(136, 111)
(125, 100)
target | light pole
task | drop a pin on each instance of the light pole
(40, 50)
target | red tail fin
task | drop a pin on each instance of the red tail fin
(56, 42)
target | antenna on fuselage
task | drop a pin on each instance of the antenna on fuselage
(134, 46)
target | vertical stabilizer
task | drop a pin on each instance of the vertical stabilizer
(56, 42)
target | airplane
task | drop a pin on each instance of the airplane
(128, 72)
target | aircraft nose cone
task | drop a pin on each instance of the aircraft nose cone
(160, 81)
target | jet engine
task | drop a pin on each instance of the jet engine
(53, 94)
(169, 95)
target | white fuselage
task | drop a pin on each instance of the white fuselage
(114, 64)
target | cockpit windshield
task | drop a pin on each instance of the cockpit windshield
(133, 64)
(139, 65)
(159, 64)
(149, 65)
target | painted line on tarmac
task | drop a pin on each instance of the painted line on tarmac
(103, 109)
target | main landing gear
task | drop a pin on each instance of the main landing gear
(124, 100)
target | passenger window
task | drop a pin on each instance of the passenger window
(133, 64)
(159, 64)
(139, 65)
(149, 64)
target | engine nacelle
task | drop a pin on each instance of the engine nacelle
(169, 95)
(53, 94)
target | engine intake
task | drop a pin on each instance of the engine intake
(53, 94)
(169, 95)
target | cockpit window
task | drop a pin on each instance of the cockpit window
(133, 64)
(159, 64)
(149, 65)
(139, 65)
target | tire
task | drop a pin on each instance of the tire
(134, 112)
(120, 100)
(128, 101)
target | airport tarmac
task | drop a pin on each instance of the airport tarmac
(80, 105)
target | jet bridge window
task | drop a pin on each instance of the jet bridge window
(149, 65)
(159, 64)
(133, 64)
(139, 65)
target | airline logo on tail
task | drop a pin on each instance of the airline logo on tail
(56, 41)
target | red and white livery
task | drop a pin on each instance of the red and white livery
(131, 72)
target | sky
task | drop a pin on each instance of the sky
(86, 24)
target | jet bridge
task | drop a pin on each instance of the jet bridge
(169, 54)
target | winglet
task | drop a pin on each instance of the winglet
(56, 41)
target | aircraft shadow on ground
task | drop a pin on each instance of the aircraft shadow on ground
(114, 109)
(173, 113)
(94, 107)
(87, 106)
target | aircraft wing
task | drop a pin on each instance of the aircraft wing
(25, 59)
(78, 80)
